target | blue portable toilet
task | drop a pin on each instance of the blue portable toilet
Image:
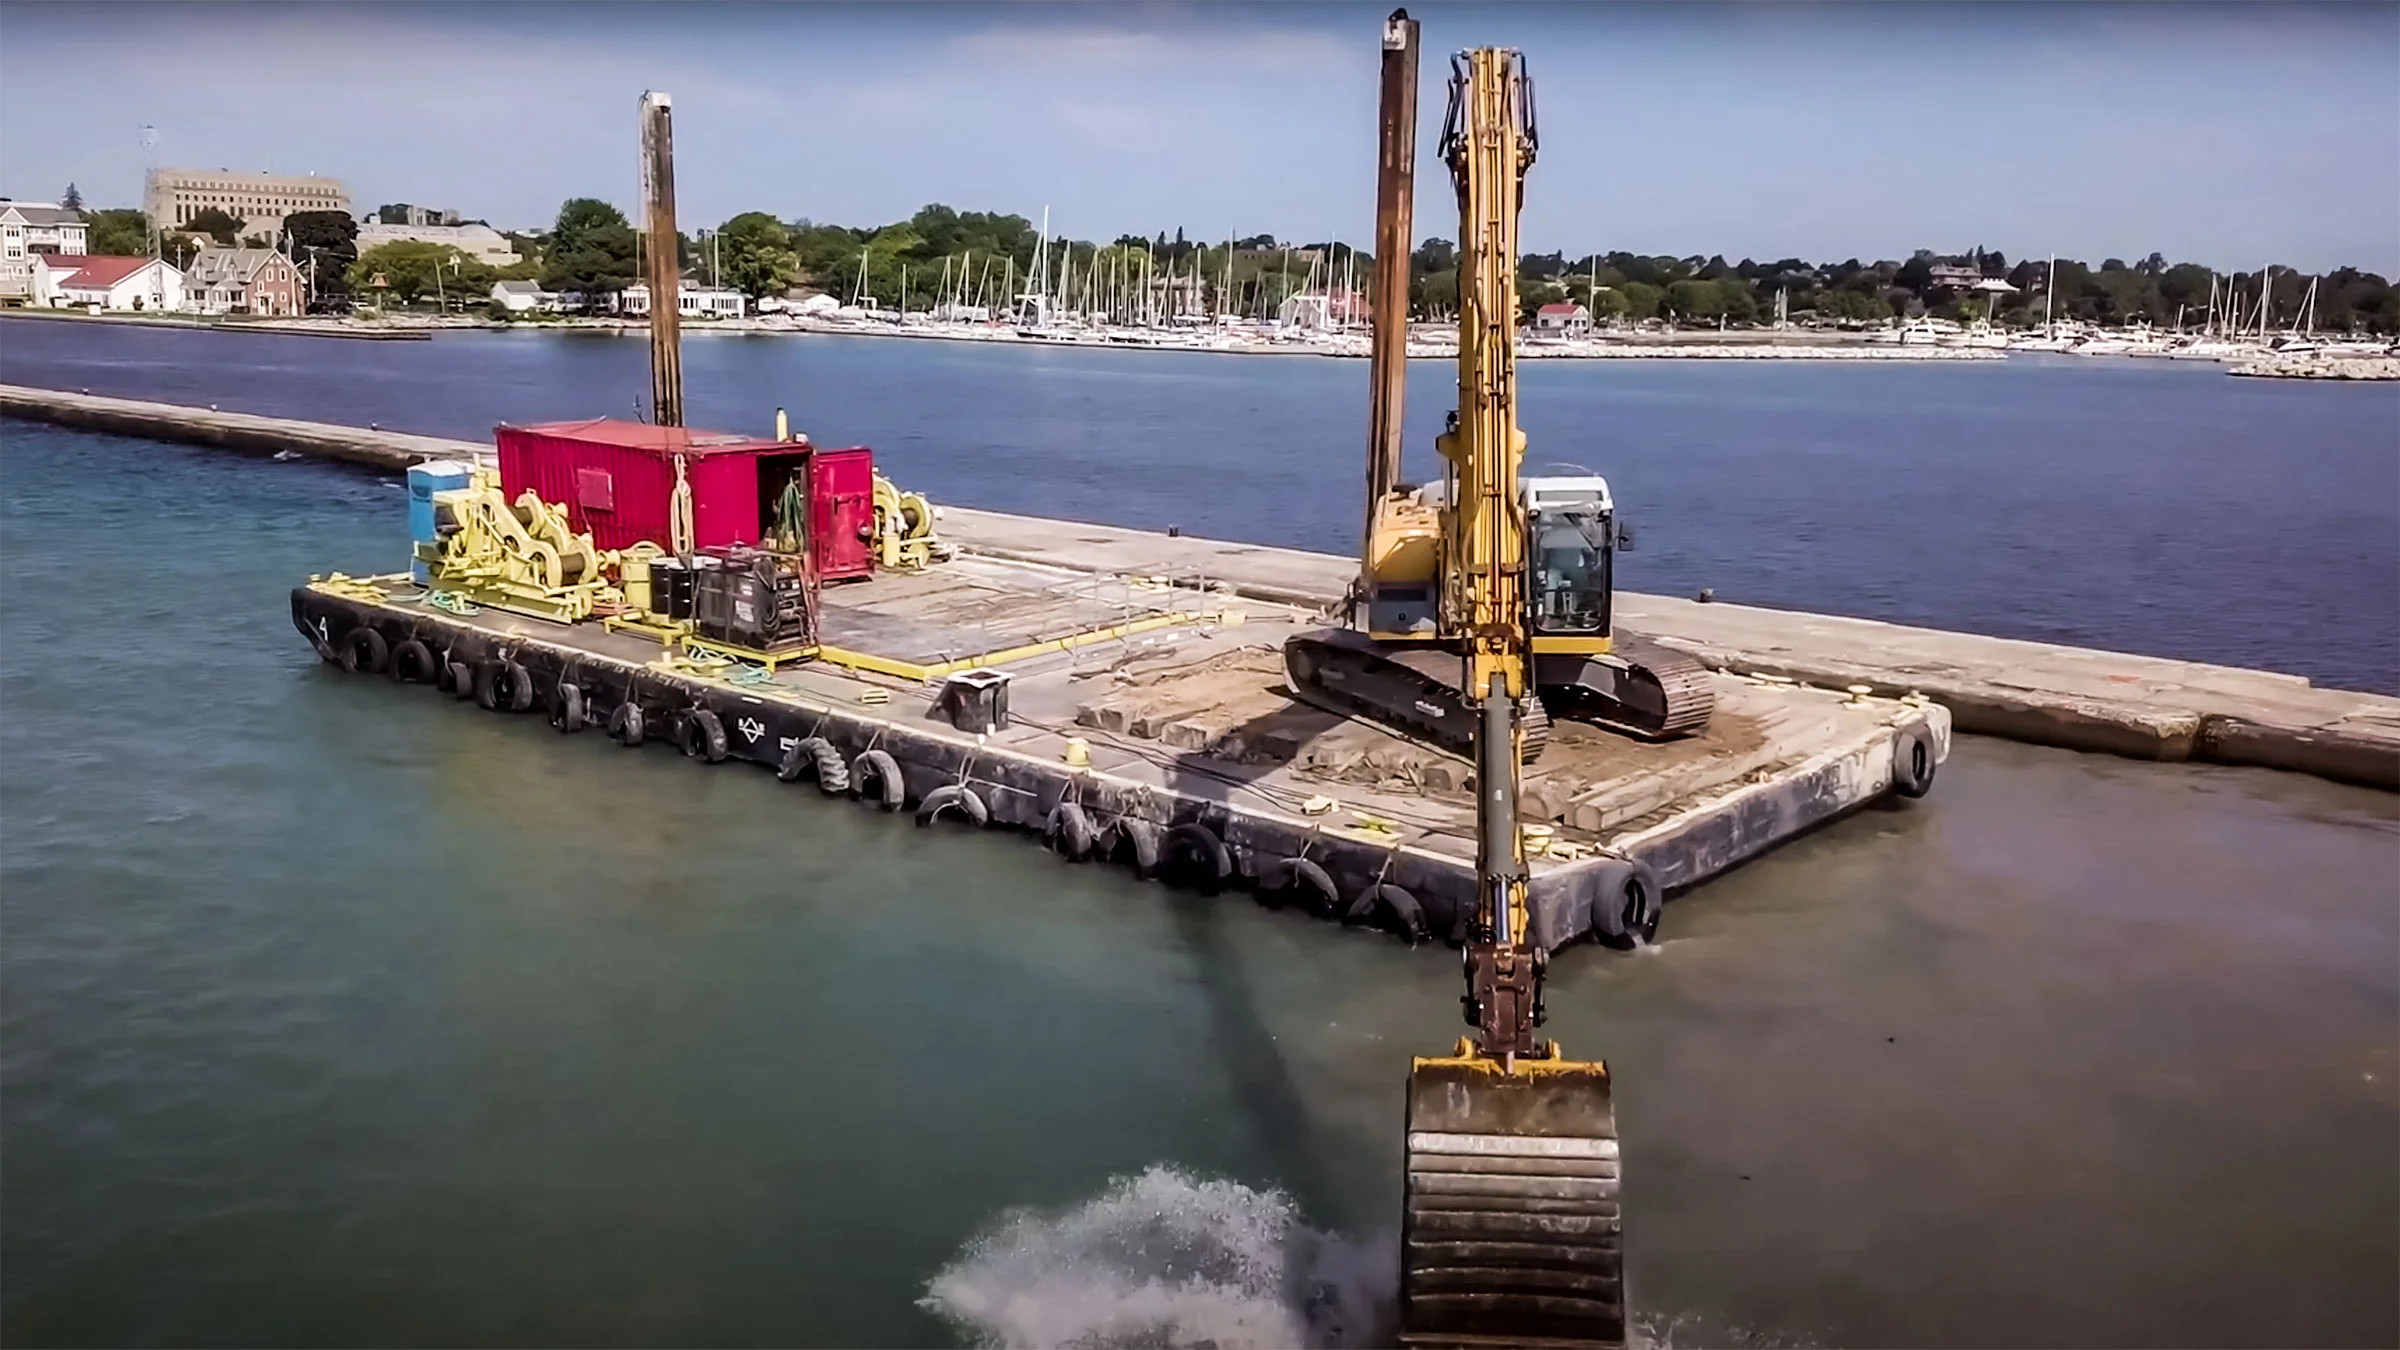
(424, 480)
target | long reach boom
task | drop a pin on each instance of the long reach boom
(1510, 1231)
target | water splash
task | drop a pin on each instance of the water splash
(1165, 1260)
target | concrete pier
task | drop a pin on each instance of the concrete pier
(2076, 698)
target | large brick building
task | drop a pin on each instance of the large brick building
(259, 200)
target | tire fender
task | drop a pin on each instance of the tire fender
(1913, 761)
(487, 685)
(1198, 847)
(520, 686)
(1313, 884)
(1629, 903)
(566, 707)
(954, 797)
(459, 678)
(413, 663)
(814, 755)
(701, 734)
(877, 767)
(625, 724)
(1068, 832)
(1141, 841)
(364, 652)
(1384, 897)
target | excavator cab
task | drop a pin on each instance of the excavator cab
(1570, 524)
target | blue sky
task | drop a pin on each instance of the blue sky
(2226, 134)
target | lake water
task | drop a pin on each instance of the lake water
(338, 1013)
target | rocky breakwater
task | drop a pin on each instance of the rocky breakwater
(2320, 367)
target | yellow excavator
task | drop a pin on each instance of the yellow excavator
(1510, 1227)
(1422, 589)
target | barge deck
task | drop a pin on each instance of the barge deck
(1148, 726)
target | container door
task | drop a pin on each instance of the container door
(842, 511)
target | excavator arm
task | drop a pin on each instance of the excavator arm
(1510, 1228)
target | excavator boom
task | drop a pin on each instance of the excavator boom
(1510, 1228)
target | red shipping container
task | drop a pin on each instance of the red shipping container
(617, 480)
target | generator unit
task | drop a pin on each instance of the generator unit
(754, 599)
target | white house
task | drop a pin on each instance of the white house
(74, 281)
(692, 301)
(28, 230)
(1562, 318)
(521, 297)
(799, 301)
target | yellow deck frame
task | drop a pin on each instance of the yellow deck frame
(677, 634)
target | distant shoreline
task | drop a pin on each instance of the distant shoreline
(1749, 345)
(1688, 345)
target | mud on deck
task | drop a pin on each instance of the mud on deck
(1200, 770)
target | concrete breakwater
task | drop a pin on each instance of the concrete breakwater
(2320, 367)
(2117, 703)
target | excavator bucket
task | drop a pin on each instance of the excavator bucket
(1511, 1234)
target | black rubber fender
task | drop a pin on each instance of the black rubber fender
(1628, 904)
(1068, 832)
(625, 724)
(1313, 884)
(1384, 897)
(954, 797)
(889, 791)
(1194, 850)
(1141, 841)
(459, 678)
(520, 685)
(503, 686)
(815, 754)
(1913, 761)
(700, 733)
(566, 706)
(413, 663)
(364, 652)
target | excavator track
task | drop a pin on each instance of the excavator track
(1411, 688)
(1657, 693)
(1512, 1234)
(1661, 694)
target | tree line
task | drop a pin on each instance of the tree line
(2151, 290)
(984, 258)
